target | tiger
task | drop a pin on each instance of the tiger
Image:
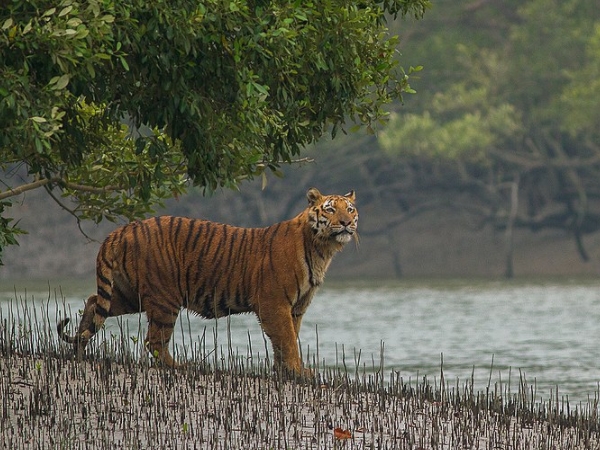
(163, 264)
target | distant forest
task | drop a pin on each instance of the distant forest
(398, 238)
(491, 169)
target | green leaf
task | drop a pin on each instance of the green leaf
(60, 82)
(49, 12)
(91, 71)
(39, 146)
(82, 33)
(7, 23)
(124, 63)
(74, 22)
(66, 10)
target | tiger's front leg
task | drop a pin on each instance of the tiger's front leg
(297, 319)
(279, 325)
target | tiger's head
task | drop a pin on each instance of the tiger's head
(332, 217)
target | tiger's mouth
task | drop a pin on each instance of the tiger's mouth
(343, 234)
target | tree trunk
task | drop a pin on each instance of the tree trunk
(509, 271)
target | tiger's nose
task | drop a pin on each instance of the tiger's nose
(345, 222)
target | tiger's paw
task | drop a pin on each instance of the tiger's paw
(302, 375)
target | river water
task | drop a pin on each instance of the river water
(494, 332)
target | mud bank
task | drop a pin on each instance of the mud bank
(52, 401)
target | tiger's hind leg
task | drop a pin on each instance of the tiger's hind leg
(160, 330)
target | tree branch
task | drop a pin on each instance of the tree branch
(70, 211)
(27, 187)
(91, 189)
(11, 192)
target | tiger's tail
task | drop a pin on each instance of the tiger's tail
(87, 327)
(60, 327)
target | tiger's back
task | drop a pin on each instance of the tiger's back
(162, 264)
(211, 268)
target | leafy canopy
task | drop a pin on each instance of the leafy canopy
(118, 105)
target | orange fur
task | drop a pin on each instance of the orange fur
(163, 264)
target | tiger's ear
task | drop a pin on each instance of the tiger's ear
(314, 196)
(350, 195)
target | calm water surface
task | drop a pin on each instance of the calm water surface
(547, 331)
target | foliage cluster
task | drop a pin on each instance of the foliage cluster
(118, 105)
